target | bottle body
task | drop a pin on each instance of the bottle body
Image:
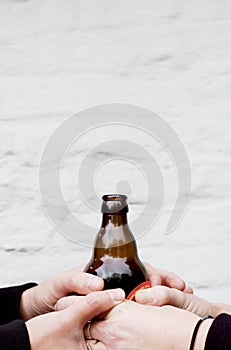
(122, 273)
(115, 258)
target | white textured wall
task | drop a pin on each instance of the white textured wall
(173, 57)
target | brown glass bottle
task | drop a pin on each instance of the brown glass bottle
(115, 257)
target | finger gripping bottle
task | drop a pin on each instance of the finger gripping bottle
(115, 258)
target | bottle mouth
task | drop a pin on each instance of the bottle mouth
(114, 204)
(115, 197)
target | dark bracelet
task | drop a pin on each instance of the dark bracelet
(196, 330)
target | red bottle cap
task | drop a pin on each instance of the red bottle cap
(143, 285)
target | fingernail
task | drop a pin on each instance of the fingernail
(117, 294)
(146, 296)
(94, 283)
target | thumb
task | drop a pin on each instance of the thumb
(94, 304)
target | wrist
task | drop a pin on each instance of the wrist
(36, 339)
(26, 304)
(220, 308)
(202, 334)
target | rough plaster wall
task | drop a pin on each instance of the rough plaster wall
(173, 57)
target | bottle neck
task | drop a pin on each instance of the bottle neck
(114, 220)
(114, 238)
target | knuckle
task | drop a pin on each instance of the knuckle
(166, 295)
(113, 332)
(72, 280)
(78, 280)
(163, 294)
(93, 299)
(58, 305)
(61, 304)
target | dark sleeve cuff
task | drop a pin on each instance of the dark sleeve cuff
(14, 336)
(10, 302)
(219, 335)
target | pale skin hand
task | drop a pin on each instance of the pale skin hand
(42, 298)
(63, 330)
(156, 277)
(160, 295)
(166, 278)
(126, 327)
(132, 326)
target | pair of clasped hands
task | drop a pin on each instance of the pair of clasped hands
(162, 317)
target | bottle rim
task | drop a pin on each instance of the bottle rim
(114, 197)
(114, 204)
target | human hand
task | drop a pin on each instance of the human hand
(160, 295)
(42, 298)
(132, 326)
(61, 330)
(166, 278)
(156, 277)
